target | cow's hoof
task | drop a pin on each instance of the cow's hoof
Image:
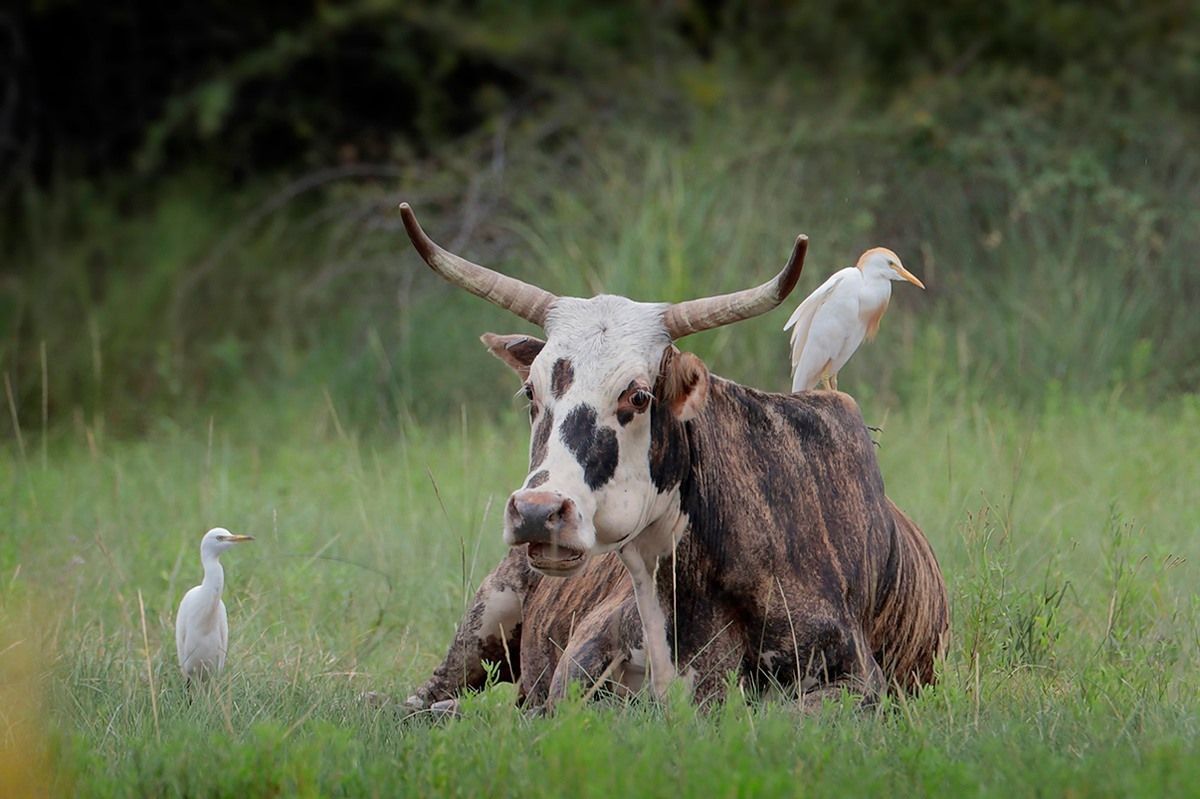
(538, 711)
(447, 708)
(415, 703)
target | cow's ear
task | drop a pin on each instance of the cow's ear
(683, 384)
(517, 351)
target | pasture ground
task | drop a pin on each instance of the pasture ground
(1068, 537)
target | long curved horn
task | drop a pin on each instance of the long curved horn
(684, 318)
(526, 301)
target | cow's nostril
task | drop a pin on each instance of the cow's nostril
(538, 516)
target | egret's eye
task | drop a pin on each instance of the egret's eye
(640, 399)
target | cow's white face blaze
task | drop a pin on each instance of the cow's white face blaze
(591, 387)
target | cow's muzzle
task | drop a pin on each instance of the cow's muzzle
(548, 523)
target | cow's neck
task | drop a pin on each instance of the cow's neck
(714, 465)
(704, 476)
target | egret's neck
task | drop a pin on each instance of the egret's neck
(214, 575)
(877, 289)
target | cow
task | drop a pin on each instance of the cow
(752, 527)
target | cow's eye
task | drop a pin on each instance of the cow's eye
(528, 389)
(640, 399)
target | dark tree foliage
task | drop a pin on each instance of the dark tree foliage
(98, 87)
(95, 87)
(196, 195)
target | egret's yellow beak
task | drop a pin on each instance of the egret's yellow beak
(234, 539)
(907, 275)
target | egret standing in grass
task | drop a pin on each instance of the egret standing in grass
(835, 318)
(201, 626)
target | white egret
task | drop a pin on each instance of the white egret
(201, 626)
(834, 319)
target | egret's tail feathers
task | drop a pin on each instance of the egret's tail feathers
(795, 317)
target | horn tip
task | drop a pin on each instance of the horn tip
(799, 249)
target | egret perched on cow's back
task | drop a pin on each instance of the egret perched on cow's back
(831, 323)
(201, 626)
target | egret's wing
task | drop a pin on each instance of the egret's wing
(180, 641)
(181, 627)
(801, 322)
(223, 632)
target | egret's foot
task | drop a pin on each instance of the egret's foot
(874, 440)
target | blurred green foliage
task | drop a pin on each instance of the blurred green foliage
(224, 230)
(278, 84)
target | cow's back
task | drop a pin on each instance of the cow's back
(786, 483)
(787, 505)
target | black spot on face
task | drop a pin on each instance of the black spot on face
(593, 446)
(541, 439)
(561, 377)
(537, 479)
(624, 416)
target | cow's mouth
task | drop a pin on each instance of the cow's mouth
(555, 559)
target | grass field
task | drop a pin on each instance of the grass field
(1068, 537)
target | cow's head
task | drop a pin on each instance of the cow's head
(603, 385)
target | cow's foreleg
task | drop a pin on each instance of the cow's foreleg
(838, 660)
(589, 661)
(868, 686)
(490, 631)
(654, 621)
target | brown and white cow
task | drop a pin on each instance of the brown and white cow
(753, 526)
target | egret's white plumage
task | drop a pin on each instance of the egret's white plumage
(833, 321)
(201, 626)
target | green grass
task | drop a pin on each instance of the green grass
(1067, 536)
